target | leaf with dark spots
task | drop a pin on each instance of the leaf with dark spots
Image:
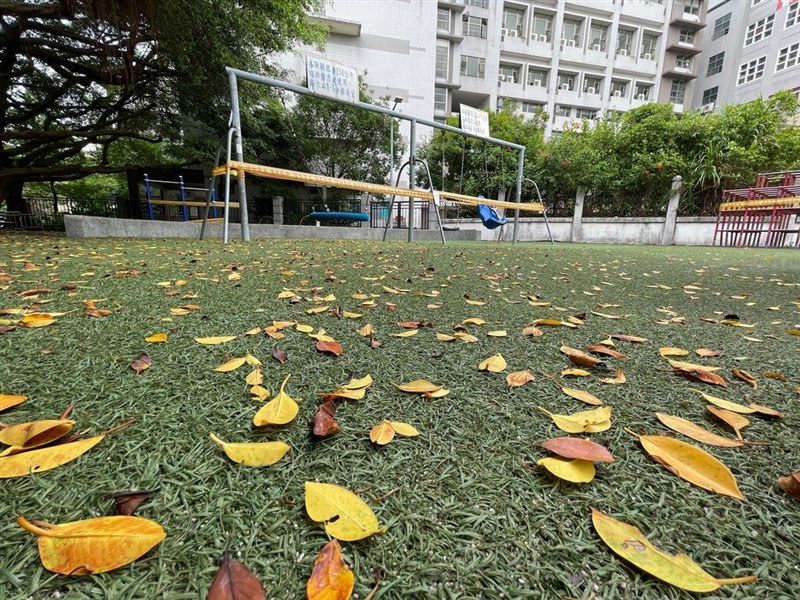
(126, 503)
(324, 423)
(234, 581)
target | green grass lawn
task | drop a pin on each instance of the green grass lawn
(469, 513)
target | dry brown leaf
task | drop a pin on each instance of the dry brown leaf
(746, 377)
(519, 378)
(619, 378)
(735, 420)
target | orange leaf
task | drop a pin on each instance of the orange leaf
(7, 401)
(141, 363)
(324, 423)
(705, 352)
(382, 433)
(791, 484)
(601, 349)
(617, 379)
(334, 348)
(234, 581)
(94, 545)
(746, 377)
(519, 378)
(701, 375)
(98, 313)
(629, 338)
(331, 579)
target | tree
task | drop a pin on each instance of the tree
(78, 75)
(471, 166)
(343, 141)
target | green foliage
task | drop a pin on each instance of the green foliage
(627, 162)
(471, 166)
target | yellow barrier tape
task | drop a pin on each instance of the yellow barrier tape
(767, 203)
(363, 186)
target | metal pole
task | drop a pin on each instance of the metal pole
(237, 124)
(226, 209)
(412, 148)
(210, 195)
(519, 193)
(391, 149)
(182, 196)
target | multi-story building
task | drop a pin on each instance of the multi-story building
(576, 59)
(752, 49)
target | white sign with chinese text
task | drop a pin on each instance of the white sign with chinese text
(331, 79)
(474, 120)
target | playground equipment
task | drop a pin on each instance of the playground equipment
(767, 212)
(182, 203)
(239, 168)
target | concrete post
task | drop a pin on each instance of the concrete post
(577, 217)
(670, 219)
(277, 210)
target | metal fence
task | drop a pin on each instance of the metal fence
(379, 214)
(48, 213)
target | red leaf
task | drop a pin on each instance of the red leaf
(279, 355)
(600, 349)
(126, 503)
(234, 581)
(578, 448)
(334, 348)
(373, 343)
(701, 375)
(324, 424)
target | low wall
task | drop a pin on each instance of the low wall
(689, 231)
(79, 226)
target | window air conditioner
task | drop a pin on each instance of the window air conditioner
(536, 83)
(707, 108)
(622, 52)
(501, 77)
(512, 33)
(534, 37)
(596, 47)
(641, 96)
(503, 32)
(563, 42)
(648, 56)
(571, 43)
(618, 93)
(565, 86)
(591, 90)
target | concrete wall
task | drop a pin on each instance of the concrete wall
(689, 231)
(91, 227)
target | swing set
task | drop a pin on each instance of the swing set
(234, 166)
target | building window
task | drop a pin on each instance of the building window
(642, 91)
(756, 2)
(592, 85)
(530, 107)
(686, 36)
(722, 26)
(585, 113)
(572, 31)
(677, 92)
(751, 71)
(472, 66)
(715, 63)
(624, 42)
(562, 111)
(513, 19)
(473, 26)
(648, 51)
(443, 20)
(478, 3)
(619, 89)
(683, 61)
(710, 95)
(442, 58)
(793, 16)
(537, 77)
(543, 27)
(509, 73)
(759, 30)
(598, 34)
(440, 99)
(788, 57)
(566, 82)
(692, 7)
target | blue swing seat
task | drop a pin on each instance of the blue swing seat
(489, 216)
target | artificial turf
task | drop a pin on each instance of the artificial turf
(469, 513)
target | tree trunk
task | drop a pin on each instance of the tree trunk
(11, 194)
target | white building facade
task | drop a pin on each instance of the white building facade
(575, 59)
(752, 49)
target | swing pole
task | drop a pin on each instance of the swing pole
(234, 75)
(521, 164)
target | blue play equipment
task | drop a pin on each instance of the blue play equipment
(339, 216)
(489, 216)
